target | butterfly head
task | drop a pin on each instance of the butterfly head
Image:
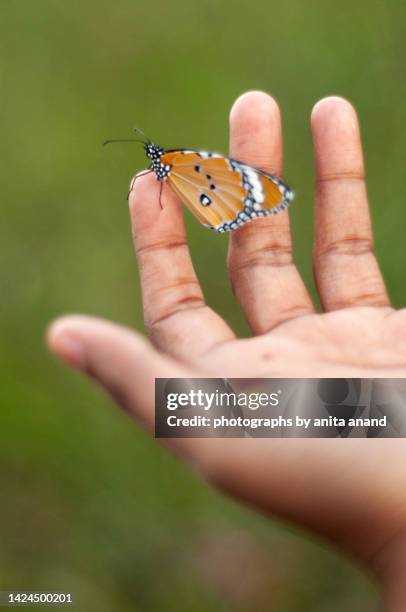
(153, 151)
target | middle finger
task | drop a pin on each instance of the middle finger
(266, 281)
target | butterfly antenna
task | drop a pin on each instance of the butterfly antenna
(106, 142)
(139, 131)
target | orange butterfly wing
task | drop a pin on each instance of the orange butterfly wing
(223, 193)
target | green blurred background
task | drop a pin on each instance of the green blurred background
(89, 503)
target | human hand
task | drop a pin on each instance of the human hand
(349, 491)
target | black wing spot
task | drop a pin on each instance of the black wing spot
(197, 168)
(208, 176)
(212, 186)
(205, 200)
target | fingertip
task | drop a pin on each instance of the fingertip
(77, 339)
(332, 107)
(153, 206)
(256, 131)
(336, 136)
(251, 102)
(143, 188)
(64, 341)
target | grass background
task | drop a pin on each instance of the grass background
(89, 504)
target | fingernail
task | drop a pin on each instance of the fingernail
(68, 347)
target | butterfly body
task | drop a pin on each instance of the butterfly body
(222, 193)
(154, 153)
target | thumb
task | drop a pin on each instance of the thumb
(120, 360)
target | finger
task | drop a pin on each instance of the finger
(176, 316)
(264, 278)
(123, 362)
(346, 270)
(126, 365)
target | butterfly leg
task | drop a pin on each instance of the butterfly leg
(134, 179)
(160, 194)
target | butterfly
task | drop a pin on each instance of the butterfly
(222, 193)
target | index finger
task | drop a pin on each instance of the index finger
(176, 316)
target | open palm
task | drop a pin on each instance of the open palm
(341, 489)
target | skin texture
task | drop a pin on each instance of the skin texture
(349, 491)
